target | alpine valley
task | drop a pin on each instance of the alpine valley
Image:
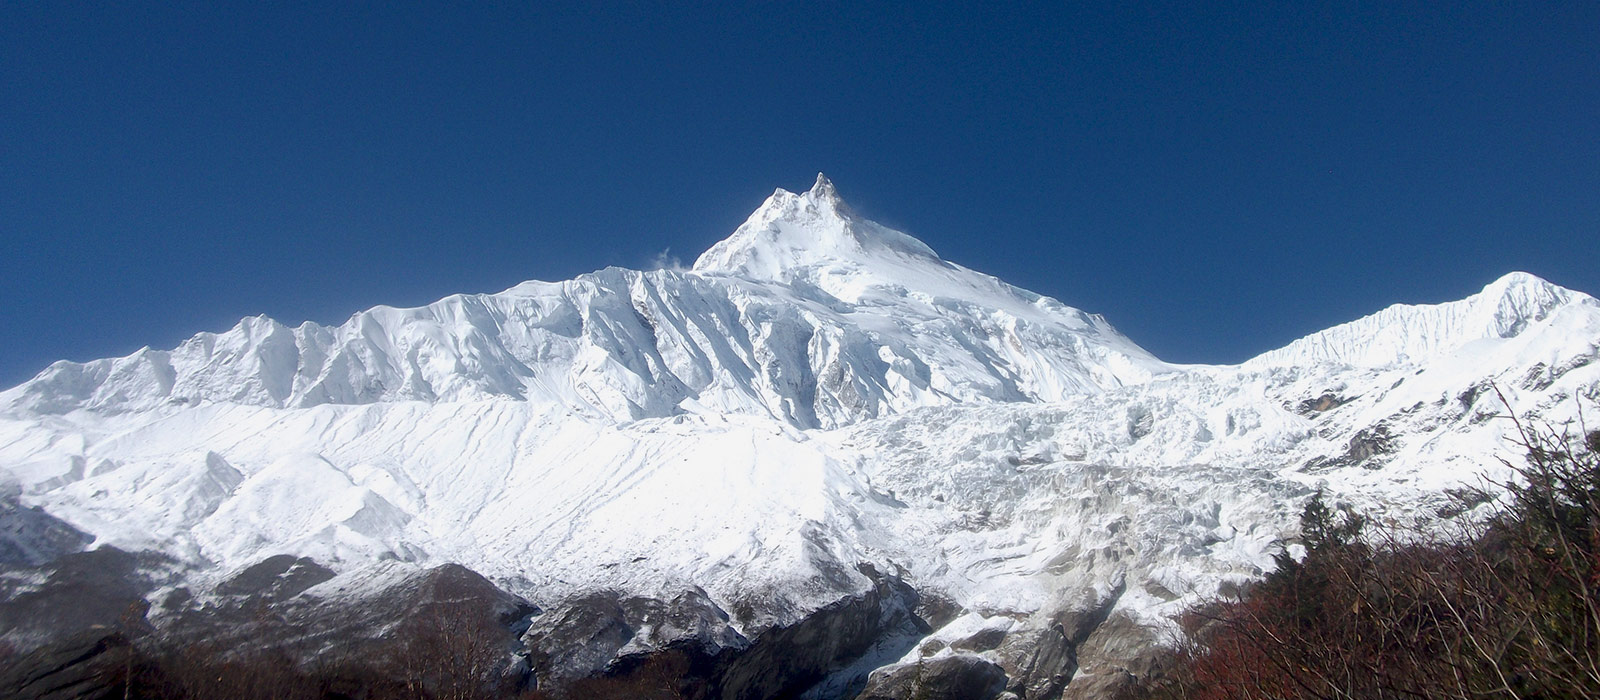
(821, 463)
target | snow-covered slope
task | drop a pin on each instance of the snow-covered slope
(819, 392)
(811, 236)
(806, 314)
(1405, 333)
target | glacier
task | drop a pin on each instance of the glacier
(819, 400)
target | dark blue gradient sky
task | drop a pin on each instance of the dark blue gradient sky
(1215, 181)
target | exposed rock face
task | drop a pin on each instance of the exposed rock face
(88, 664)
(1322, 404)
(783, 662)
(1369, 443)
(953, 677)
(819, 655)
(1364, 449)
(260, 609)
(578, 638)
(1115, 655)
(30, 537)
(67, 626)
(70, 621)
(607, 634)
(81, 627)
(102, 589)
(1043, 663)
(276, 578)
(1053, 662)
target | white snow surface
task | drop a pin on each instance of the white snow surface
(805, 314)
(1404, 333)
(817, 392)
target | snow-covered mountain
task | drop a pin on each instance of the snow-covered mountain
(806, 314)
(819, 403)
(1406, 334)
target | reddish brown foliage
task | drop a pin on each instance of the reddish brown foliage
(1509, 608)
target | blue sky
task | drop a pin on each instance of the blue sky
(1217, 181)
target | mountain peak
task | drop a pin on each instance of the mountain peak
(821, 201)
(790, 234)
(1404, 333)
(823, 190)
(1523, 283)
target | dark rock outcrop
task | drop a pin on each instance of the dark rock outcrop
(1141, 422)
(1051, 666)
(783, 662)
(83, 665)
(577, 645)
(953, 677)
(1369, 442)
(1113, 658)
(1322, 404)
(268, 605)
(31, 537)
(276, 578)
(96, 590)
(70, 624)
(1045, 663)
(1363, 449)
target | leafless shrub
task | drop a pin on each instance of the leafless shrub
(450, 651)
(1508, 607)
(659, 677)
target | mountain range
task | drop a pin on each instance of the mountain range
(821, 424)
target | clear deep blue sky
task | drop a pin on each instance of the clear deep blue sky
(1215, 181)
